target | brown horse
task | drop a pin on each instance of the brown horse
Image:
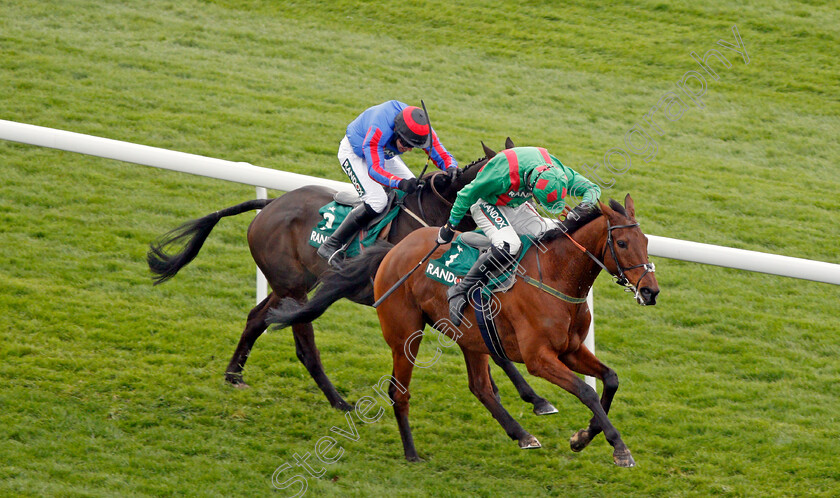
(535, 327)
(279, 241)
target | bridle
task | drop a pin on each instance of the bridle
(620, 276)
(431, 183)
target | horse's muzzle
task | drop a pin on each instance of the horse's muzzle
(647, 296)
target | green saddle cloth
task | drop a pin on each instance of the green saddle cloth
(333, 214)
(457, 261)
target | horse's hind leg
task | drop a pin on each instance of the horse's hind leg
(526, 392)
(400, 324)
(481, 386)
(584, 362)
(308, 354)
(305, 348)
(254, 327)
(398, 391)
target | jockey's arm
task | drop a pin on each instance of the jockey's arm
(373, 147)
(580, 186)
(485, 186)
(439, 155)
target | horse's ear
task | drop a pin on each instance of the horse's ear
(488, 152)
(630, 207)
(605, 210)
(508, 143)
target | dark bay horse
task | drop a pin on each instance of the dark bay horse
(535, 327)
(279, 241)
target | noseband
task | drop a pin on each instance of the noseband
(622, 279)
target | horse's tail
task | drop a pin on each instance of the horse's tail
(352, 281)
(191, 235)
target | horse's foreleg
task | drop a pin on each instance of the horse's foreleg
(544, 364)
(308, 354)
(584, 362)
(481, 386)
(254, 327)
(399, 394)
(541, 405)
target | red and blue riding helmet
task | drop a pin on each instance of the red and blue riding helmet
(412, 127)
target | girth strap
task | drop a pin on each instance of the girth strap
(486, 325)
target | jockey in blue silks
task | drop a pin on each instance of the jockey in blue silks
(370, 155)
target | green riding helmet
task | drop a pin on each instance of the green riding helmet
(549, 188)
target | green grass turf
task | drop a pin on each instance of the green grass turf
(113, 387)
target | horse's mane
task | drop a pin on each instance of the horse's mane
(480, 159)
(571, 224)
(470, 165)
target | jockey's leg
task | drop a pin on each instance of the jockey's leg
(356, 219)
(505, 244)
(527, 221)
(373, 197)
(489, 261)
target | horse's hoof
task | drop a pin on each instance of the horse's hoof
(414, 458)
(623, 458)
(529, 443)
(544, 408)
(580, 440)
(236, 381)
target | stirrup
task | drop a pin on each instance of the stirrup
(337, 258)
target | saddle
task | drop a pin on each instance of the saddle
(333, 214)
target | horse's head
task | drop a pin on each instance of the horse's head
(625, 254)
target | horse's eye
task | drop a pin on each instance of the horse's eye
(622, 244)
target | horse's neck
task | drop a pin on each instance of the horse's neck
(433, 213)
(572, 268)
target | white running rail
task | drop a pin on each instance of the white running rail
(263, 178)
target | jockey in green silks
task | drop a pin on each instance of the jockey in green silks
(498, 201)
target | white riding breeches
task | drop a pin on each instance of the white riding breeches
(503, 224)
(372, 193)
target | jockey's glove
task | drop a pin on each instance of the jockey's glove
(408, 185)
(445, 234)
(453, 173)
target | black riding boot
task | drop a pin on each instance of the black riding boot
(356, 219)
(487, 262)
